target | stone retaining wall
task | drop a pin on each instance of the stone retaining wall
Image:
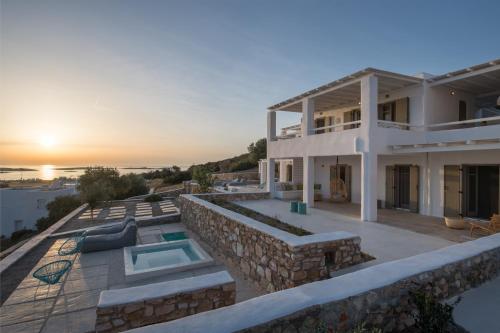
(271, 257)
(250, 175)
(377, 295)
(123, 309)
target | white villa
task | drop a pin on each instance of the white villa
(424, 143)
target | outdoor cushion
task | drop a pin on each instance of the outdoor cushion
(111, 229)
(127, 237)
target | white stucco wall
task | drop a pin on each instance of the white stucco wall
(26, 205)
(443, 107)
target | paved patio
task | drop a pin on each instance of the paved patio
(117, 210)
(424, 224)
(70, 305)
(384, 242)
(479, 308)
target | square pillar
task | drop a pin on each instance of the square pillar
(369, 112)
(307, 116)
(270, 176)
(271, 126)
(308, 183)
(369, 186)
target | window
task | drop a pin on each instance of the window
(18, 225)
(40, 203)
(462, 111)
(289, 172)
(320, 122)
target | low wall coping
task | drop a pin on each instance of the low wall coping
(263, 309)
(114, 297)
(282, 235)
(37, 239)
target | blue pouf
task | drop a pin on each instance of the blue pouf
(302, 209)
(294, 206)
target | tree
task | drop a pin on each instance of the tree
(58, 208)
(98, 184)
(257, 150)
(203, 177)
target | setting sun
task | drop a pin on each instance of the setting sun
(47, 141)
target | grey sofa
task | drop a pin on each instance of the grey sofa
(101, 242)
(112, 229)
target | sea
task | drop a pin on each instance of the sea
(49, 172)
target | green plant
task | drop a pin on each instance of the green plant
(287, 187)
(432, 316)
(317, 186)
(153, 198)
(58, 208)
(203, 177)
(300, 187)
(20, 234)
(322, 327)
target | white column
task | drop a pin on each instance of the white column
(307, 116)
(369, 113)
(369, 116)
(426, 184)
(270, 176)
(271, 126)
(282, 171)
(308, 183)
(369, 186)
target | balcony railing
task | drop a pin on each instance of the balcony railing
(442, 126)
(295, 131)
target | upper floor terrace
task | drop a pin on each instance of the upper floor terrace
(374, 110)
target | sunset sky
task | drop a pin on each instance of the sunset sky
(178, 82)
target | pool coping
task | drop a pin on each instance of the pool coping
(131, 275)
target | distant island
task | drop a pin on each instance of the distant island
(71, 168)
(140, 168)
(5, 170)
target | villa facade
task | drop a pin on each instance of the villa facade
(427, 144)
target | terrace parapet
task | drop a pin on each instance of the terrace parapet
(273, 258)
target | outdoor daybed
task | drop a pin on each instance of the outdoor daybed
(126, 237)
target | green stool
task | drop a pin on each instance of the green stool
(302, 209)
(294, 206)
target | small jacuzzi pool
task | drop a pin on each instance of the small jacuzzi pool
(144, 261)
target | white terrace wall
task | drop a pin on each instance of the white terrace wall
(378, 295)
(273, 258)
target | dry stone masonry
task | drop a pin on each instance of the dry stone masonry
(132, 307)
(377, 295)
(273, 258)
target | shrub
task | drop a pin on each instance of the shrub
(58, 208)
(153, 198)
(432, 316)
(18, 235)
(300, 187)
(203, 177)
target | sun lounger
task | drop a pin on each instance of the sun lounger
(101, 242)
(111, 229)
(492, 227)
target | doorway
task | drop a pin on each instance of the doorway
(340, 182)
(481, 190)
(402, 187)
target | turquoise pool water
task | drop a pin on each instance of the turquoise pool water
(174, 236)
(165, 256)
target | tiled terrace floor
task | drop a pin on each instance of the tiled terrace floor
(69, 306)
(428, 225)
(117, 210)
(384, 242)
